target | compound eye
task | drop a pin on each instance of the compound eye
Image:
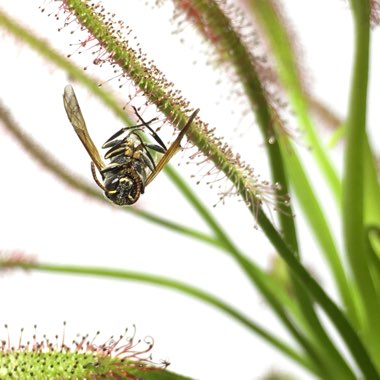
(112, 185)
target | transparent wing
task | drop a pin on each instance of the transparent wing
(76, 119)
(172, 150)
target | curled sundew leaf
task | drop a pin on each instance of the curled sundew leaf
(119, 357)
(110, 44)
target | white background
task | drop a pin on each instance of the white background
(43, 217)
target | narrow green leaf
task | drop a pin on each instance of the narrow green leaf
(371, 197)
(373, 239)
(276, 32)
(354, 181)
(371, 187)
(348, 334)
(314, 214)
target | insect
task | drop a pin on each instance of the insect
(131, 166)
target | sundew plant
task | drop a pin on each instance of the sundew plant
(271, 186)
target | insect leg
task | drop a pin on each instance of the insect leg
(108, 143)
(153, 133)
(156, 148)
(93, 171)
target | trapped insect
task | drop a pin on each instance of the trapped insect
(131, 166)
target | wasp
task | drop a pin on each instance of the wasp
(130, 167)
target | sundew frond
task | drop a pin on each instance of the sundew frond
(112, 47)
(223, 24)
(237, 45)
(121, 357)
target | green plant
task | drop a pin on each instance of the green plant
(296, 298)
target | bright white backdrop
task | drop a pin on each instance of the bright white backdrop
(41, 216)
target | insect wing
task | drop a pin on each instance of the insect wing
(77, 121)
(172, 150)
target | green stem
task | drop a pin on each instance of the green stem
(253, 273)
(271, 18)
(373, 236)
(353, 197)
(339, 320)
(314, 214)
(371, 187)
